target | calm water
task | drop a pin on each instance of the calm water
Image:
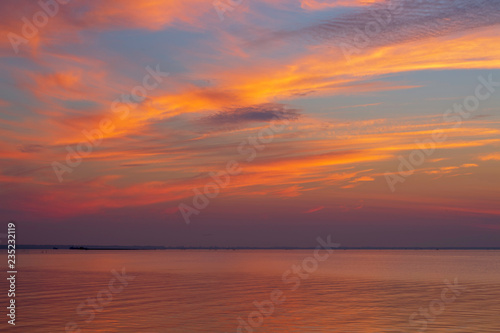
(208, 291)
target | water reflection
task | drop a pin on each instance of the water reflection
(216, 291)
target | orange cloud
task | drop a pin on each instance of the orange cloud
(312, 210)
(490, 157)
(325, 4)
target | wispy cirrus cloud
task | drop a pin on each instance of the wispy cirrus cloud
(74, 17)
(315, 209)
(490, 157)
(408, 20)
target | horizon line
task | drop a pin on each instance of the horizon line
(155, 247)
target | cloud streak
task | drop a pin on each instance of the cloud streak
(262, 113)
(378, 25)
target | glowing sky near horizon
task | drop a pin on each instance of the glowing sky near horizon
(356, 86)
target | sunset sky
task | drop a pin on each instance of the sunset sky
(317, 101)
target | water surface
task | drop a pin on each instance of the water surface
(210, 291)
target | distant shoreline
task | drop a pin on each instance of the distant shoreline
(149, 248)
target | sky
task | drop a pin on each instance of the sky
(251, 123)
